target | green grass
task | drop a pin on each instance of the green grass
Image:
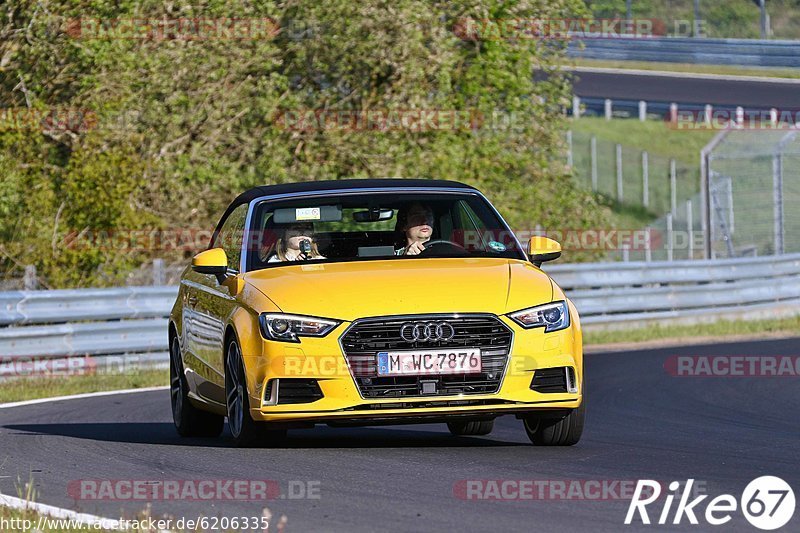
(763, 72)
(31, 388)
(655, 136)
(726, 328)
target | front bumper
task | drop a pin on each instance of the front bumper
(323, 360)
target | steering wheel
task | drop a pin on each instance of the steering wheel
(439, 242)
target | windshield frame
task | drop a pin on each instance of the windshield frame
(244, 266)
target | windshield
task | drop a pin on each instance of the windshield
(361, 227)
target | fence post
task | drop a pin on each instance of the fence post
(569, 148)
(673, 113)
(708, 114)
(670, 237)
(690, 228)
(642, 110)
(594, 162)
(648, 253)
(645, 180)
(620, 196)
(673, 187)
(30, 282)
(159, 275)
(608, 109)
(576, 107)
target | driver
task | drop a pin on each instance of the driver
(416, 222)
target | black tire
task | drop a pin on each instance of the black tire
(474, 427)
(564, 431)
(189, 420)
(246, 432)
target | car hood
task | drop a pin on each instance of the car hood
(352, 290)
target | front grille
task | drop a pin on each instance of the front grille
(365, 338)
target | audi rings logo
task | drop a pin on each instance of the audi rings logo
(427, 331)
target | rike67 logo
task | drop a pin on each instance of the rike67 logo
(767, 502)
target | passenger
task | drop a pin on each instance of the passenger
(416, 223)
(295, 243)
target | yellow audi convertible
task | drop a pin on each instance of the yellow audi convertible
(367, 302)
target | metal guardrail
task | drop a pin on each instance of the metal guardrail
(93, 322)
(748, 52)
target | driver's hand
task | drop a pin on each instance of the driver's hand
(415, 248)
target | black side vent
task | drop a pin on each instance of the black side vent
(550, 380)
(298, 391)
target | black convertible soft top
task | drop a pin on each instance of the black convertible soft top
(337, 185)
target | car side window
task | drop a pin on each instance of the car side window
(230, 236)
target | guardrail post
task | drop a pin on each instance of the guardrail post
(773, 117)
(739, 117)
(673, 113)
(645, 180)
(670, 237)
(673, 187)
(30, 282)
(708, 114)
(690, 228)
(159, 275)
(576, 107)
(620, 196)
(642, 110)
(608, 109)
(593, 144)
(777, 200)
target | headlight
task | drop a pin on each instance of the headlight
(287, 328)
(553, 316)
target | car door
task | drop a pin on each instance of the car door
(213, 304)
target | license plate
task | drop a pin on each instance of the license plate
(426, 362)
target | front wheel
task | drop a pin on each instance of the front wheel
(189, 420)
(246, 431)
(564, 431)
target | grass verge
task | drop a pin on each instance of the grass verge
(718, 330)
(15, 390)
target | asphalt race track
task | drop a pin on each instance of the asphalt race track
(619, 85)
(642, 423)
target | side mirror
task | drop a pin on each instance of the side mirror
(541, 249)
(213, 261)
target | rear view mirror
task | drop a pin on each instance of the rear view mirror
(541, 249)
(321, 213)
(373, 215)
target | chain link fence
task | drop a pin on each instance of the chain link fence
(754, 182)
(632, 177)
